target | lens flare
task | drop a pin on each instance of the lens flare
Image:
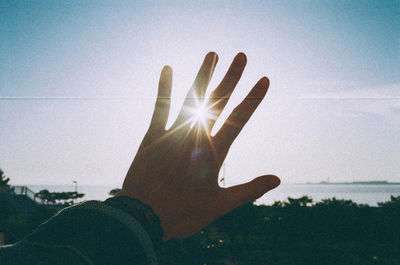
(200, 114)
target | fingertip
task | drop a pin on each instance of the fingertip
(264, 81)
(274, 181)
(269, 182)
(165, 82)
(212, 56)
(167, 69)
(241, 58)
(260, 89)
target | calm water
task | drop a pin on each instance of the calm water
(361, 193)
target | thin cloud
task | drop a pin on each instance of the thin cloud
(350, 98)
(55, 98)
(385, 93)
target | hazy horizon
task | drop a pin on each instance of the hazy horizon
(289, 183)
(78, 82)
(370, 194)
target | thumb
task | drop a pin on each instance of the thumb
(244, 193)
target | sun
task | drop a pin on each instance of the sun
(200, 115)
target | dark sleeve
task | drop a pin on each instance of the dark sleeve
(88, 233)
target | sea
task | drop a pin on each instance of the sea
(369, 194)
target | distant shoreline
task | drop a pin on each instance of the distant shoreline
(377, 182)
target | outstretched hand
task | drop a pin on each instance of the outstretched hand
(175, 171)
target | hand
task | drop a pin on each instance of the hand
(175, 171)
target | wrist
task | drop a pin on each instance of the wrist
(165, 217)
(142, 213)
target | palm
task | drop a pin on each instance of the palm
(176, 171)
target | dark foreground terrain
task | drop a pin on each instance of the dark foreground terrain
(296, 231)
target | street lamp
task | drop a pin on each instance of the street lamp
(76, 188)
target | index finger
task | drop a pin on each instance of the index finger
(195, 96)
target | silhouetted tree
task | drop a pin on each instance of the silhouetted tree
(278, 204)
(394, 202)
(46, 196)
(4, 181)
(302, 201)
(333, 202)
(63, 198)
(114, 191)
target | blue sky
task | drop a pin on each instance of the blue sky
(78, 81)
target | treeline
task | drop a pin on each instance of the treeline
(296, 231)
(64, 198)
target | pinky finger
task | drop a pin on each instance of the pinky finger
(161, 109)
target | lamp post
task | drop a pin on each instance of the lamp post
(76, 188)
(223, 175)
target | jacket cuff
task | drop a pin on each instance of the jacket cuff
(141, 212)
